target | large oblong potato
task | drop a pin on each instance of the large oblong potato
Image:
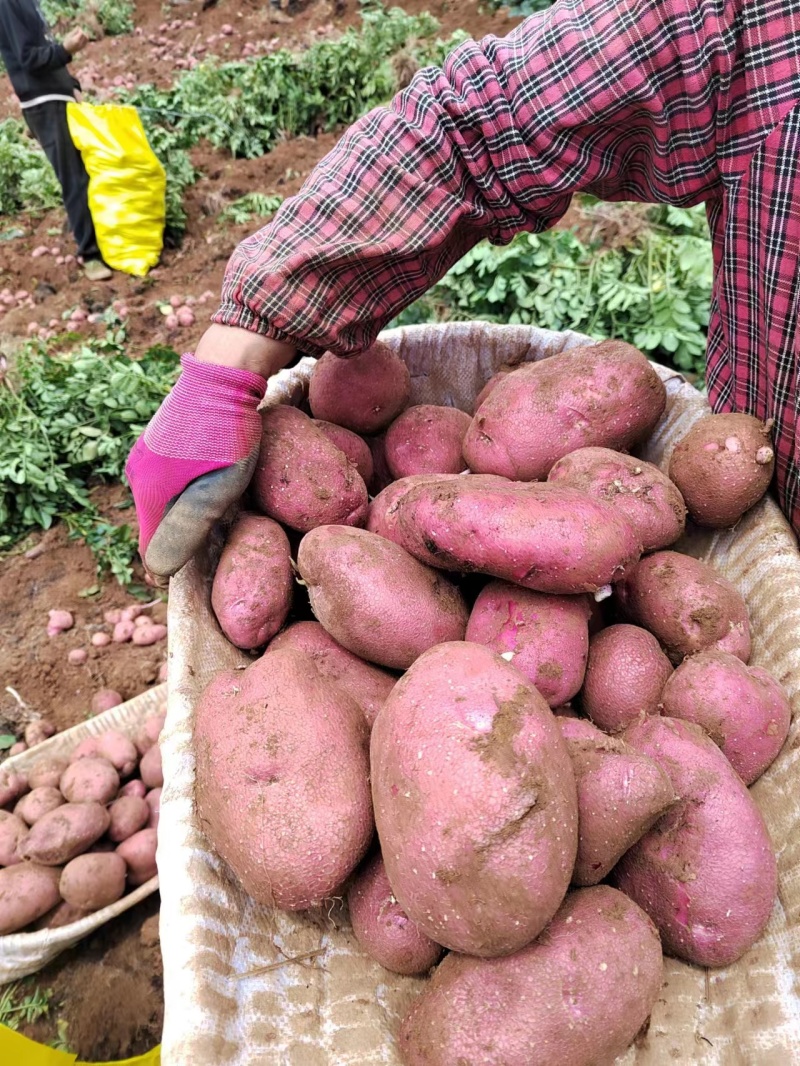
(605, 395)
(706, 873)
(64, 833)
(475, 801)
(375, 599)
(283, 779)
(27, 891)
(577, 996)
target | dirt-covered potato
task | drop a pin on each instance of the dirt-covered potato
(625, 676)
(64, 833)
(92, 780)
(723, 466)
(354, 447)
(364, 392)
(46, 772)
(577, 996)
(37, 802)
(13, 831)
(12, 786)
(427, 440)
(27, 891)
(92, 881)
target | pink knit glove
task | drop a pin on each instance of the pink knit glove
(194, 460)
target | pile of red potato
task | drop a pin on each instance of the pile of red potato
(76, 833)
(513, 692)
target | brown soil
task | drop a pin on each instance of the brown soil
(108, 989)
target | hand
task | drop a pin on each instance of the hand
(198, 453)
(75, 40)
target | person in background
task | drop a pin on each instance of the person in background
(661, 101)
(37, 67)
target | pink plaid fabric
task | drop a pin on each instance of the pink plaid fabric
(661, 101)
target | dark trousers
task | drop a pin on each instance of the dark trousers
(48, 123)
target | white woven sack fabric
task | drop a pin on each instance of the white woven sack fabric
(22, 954)
(231, 995)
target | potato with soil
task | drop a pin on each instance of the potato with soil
(604, 395)
(46, 772)
(139, 853)
(27, 891)
(382, 513)
(723, 466)
(302, 479)
(368, 685)
(374, 599)
(706, 872)
(625, 676)
(252, 589)
(90, 882)
(128, 815)
(742, 708)
(382, 927)
(427, 440)
(687, 605)
(577, 996)
(13, 831)
(150, 768)
(283, 780)
(12, 786)
(543, 537)
(545, 637)
(475, 801)
(364, 392)
(621, 794)
(38, 802)
(64, 833)
(647, 498)
(354, 447)
(90, 781)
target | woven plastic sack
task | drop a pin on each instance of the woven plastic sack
(127, 184)
(248, 986)
(22, 954)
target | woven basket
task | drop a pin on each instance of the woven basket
(231, 995)
(25, 953)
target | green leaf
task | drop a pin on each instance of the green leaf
(7, 740)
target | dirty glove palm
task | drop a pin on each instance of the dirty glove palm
(194, 460)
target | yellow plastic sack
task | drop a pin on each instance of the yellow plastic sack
(127, 184)
(18, 1050)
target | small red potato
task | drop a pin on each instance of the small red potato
(382, 927)
(282, 780)
(723, 466)
(374, 599)
(647, 498)
(104, 699)
(706, 872)
(150, 769)
(150, 732)
(119, 750)
(38, 731)
(621, 794)
(90, 882)
(545, 637)
(301, 478)
(59, 622)
(77, 656)
(139, 853)
(12, 786)
(13, 831)
(64, 833)
(27, 891)
(605, 395)
(252, 589)
(136, 787)
(90, 781)
(427, 440)
(687, 605)
(475, 801)
(87, 749)
(354, 447)
(38, 802)
(123, 631)
(742, 708)
(147, 634)
(46, 772)
(625, 676)
(368, 685)
(577, 996)
(128, 815)
(153, 799)
(363, 392)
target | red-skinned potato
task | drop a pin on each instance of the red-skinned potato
(150, 732)
(87, 749)
(139, 853)
(545, 637)
(605, 395)
(475, 801)
(62, 914)
(368, 685)
(706, 872)
(38, 802)
(491, 384)
(382, 927)
(119, 750)
(723, 466)
(92, 881)
(374, 599)
(46, 772)
(540, 536)
(128, 815)
(301, 478)
(625, 676)
(136, 787)
(13, 831)
(104, 699)
(12, 786)
(150, 769)
(687, 605)
(742, 708)
(382, 513)
(90, 781)
(252, 589)
(647, 498)
(577, 996)
(27, 891)
(153, 800)
(64, 833)
(621, 794)
(282, 779)
(364, 392)
(427, 440)
(354, 447)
